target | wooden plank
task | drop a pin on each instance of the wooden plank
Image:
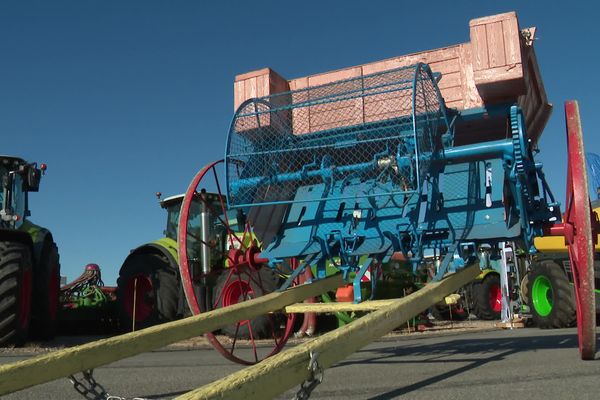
(429, 56)
(452, 94)
(262, 86)
(238, 94)
(451, 79)
(250, 88)
(495, 43)
(333, 76)
(471, 96)
(287, 369)
(320, 308)
(252, 74)
(493, 18)
(504, 82)
(62, 363)
(479, 48)
(445, 66)
(512, 40)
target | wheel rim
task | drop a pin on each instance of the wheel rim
(541, 296)
(239, 264)
(25, 299)
(495, 298)
(236, 291)
(139, 292)
(578, 233)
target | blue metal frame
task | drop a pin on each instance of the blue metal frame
(380, 188)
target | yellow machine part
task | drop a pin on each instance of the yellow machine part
(556, 244)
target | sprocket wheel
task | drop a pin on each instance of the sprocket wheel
(218, 251)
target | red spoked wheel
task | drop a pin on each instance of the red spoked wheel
(579, 228)
(220, 266)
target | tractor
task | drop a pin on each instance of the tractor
(548, 286)
(149, 287)
(29, 259)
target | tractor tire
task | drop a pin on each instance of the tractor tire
(524, 286)
(15, 293)
(229, 290)
(154, 284)
(46, 289)
(551, 297)
(487, 297)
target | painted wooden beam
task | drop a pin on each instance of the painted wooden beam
(285, 370)
(62, 363)
(369, 305)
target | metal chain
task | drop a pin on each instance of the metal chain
(88, 387)
(92, 390)
(315, 378)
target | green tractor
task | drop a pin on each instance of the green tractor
(149, 285)
(548, 287)
(29, 260)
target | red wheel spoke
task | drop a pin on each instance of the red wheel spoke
(238, 278)
(243, 287)
(230, 233)
(253, 343)
(237, 330)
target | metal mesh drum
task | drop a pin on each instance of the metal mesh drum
(382, 128)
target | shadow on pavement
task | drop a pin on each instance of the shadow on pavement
(460, 350)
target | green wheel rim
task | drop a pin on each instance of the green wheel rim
(541, 294)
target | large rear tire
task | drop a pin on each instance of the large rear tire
(46, 288)
(551, 298)
(487, 297)
(15, 293)
(147, 281)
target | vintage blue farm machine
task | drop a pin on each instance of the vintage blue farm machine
(360, 170)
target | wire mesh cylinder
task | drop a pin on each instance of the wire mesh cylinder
(381, 128)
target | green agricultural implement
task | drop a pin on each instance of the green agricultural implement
(87, 305)
(29, 260)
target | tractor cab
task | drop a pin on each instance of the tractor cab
(206, 242)
(172, 205)
(17, 178)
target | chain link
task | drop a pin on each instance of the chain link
(315, 378)
(89, 388)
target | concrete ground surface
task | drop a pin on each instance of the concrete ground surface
(484, 364)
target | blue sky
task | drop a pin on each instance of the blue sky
(126, 98)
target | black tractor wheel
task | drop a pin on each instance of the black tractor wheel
(487, 297)
(551, 297)
(148, 290)
(15, 293)
(241, 284)
(46, 289)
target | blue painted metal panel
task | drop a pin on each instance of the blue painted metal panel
(361, 188)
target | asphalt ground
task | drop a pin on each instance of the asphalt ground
(480, 363)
